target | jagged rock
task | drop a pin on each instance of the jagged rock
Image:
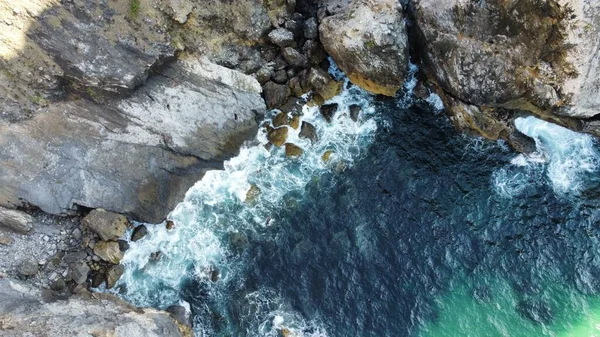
(315, 52)
(108, 251)
(355, 112)
(293, 150)
(282, 37)
(14, 220)
(28, 268)
(79, 273)
(185, 120)
(294, 57)
(139, 232)
(369, 43)
(113, 274)
(23, 309)
(275, 94)
(328, 111)
(180, 314)
(278, 136)
(280, 119)
(311, 28)
(280, 76)
(108, 225)
(308, 131)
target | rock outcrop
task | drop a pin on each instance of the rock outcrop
(368, 41)
(27, 311)
(489, 60)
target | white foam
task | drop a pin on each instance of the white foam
(565, 156)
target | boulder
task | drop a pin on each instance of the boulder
(28, 268)
(355, 112)
(185, 120)
(282, 37)
(294, 57)
(24, 311)
(328, 111)
(280, 119)
(139, 232)
(108, 225)
(16, 221)
(74, 257)
(113, 274)
(278, 136)
(79, 272)
(293, 150)
(108, 251)
(275, 94)
(308, 131)
(368, 42)
(311, 28)
(295, 122)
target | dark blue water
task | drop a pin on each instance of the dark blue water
(376, 249)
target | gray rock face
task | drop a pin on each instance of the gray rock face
(25, 312)
(281, 37)
(108, 225)
(368, 41)
(14, 220)
(276, 94)
(136, 156)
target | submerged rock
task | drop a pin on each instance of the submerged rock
(326, 156)
(368, 42)
(276, 94)
(108, 225)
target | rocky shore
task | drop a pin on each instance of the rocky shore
(110, 111)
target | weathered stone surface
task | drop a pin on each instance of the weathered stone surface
(282, 37)
(108, 225)
(311, 28)
(308, 131)
(293, 150)
(14, 220)
(108, 251)
(28, 268)
(113, 274)
(294, 57)
(74, 257)
(79, 273)
(24, 310)
(136, 156)
(278, 136)
(368, 41)
(276, 94)
(139, 232)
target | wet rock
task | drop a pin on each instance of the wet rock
(294, 57)
(280, 119)
(155, 256)
(295, 122)
(281, 37)
(369, 43)
(355, 112)
(180, 314)
(28, 268)
(139, 232)
(108, 225)
(328, 111)
(113, 274)
(308, 131)
(239, 241)
(326, 156)
(252, 194)
(74, 257)
(275, 94)
(324, 85)
(522, 143)
(292, 150)
(170, 224)
(278, 136)
(108, 251)
(294, 27)
(123, 245)
(79, 273)
(311, 28)
(16, 221)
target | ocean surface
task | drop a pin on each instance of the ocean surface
(410, 229)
